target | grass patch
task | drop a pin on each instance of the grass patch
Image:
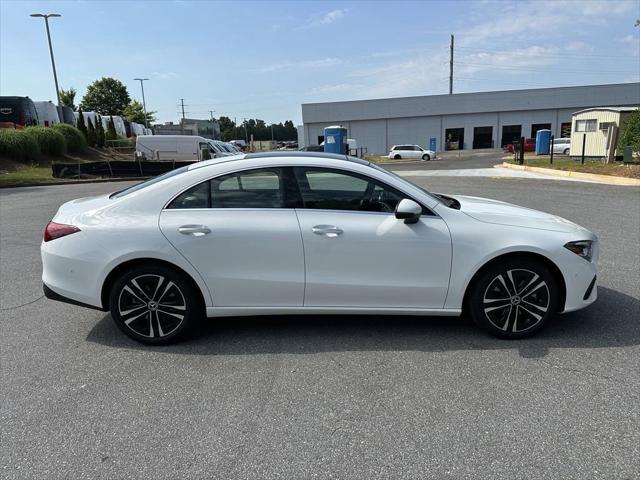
(616, 169)
(28, 175)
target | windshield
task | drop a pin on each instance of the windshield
(147, 183)
(406, 182)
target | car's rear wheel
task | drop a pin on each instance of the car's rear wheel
(154, 304)
(426, 157)
(566, 151)
(514, 298)
(397, 157)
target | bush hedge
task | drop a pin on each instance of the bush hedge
(18, 145)
(51, 141)
(76, 142)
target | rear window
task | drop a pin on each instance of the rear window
(148, 183)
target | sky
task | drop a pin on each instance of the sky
(264, 59)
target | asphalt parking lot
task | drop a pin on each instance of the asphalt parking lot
(325, 397)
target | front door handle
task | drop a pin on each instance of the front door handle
(195, 230)
(328, 230)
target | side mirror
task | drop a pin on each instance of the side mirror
(408, 210)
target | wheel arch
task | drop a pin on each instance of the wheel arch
(537, 257)
(120, 268)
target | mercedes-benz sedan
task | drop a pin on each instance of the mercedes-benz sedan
(311, 233)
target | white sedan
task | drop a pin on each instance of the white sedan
(398, 152)
(311, 233)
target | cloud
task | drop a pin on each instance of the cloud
(325, 18)
(165, 75)
(578, 46)
(302, 64)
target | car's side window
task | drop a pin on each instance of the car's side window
(261, 188)
(195, 197)
(328, 189)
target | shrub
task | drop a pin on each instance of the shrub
(17, 145)
(51, 142)
(630, 134)
(91, 134)
(76, 143)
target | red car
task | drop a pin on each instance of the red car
(529, 145)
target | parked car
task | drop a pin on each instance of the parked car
(177, 147)
(561, 145)
(313, 148)
(17, 112)
(118, 123)
(137, 129)
(529, 145)
(411, 151)
(47, 113)
(241, 144)
(292, 233)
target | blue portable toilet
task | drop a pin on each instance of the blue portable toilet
(335, 139)
(543, 137)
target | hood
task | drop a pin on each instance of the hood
(502, 213)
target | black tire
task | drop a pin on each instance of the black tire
(566, 151)
(514, 298)
(426, 157)
(154, 304)
(397, 157)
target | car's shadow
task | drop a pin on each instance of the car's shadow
(613, 321)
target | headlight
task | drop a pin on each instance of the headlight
(582, 248)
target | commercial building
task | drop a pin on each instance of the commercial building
(463, 120)
(596, 129)
(190, 126)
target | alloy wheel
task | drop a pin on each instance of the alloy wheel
(151, 306)
(516, 300)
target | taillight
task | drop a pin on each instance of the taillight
(57, 230)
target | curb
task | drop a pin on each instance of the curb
(76, 182)
(594, 177)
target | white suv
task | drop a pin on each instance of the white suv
(411, 151)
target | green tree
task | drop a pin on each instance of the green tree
(91, 133)
(111, 130)
(135, 113)
(67, 97)
(81, 125)
(630, 134)
(106, 96)
(100, 137)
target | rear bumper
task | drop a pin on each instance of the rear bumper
(51, 295)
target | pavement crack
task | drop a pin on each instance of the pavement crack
(23, 305)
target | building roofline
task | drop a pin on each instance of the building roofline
(607, 109)
(486, 92)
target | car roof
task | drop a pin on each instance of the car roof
(250, 156)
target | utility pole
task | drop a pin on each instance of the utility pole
(213, 127)
(451, 67)
(53, 63)
(144, 103)
(246, 134)
(272, 132)
(182, 121)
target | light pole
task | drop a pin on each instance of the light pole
(144, 104)
(213, 126)
(53, 63)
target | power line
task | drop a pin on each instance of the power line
(558, 55)
(527, 69)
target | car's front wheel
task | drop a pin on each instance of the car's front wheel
(426, 157)
(154, 304)
(513, 298)
(397, 157)
(565, 151)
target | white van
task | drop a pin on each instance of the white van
(176, 147)
(47, 113)
(137, 129)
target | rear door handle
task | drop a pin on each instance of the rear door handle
(328, 230)
(195, 230)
